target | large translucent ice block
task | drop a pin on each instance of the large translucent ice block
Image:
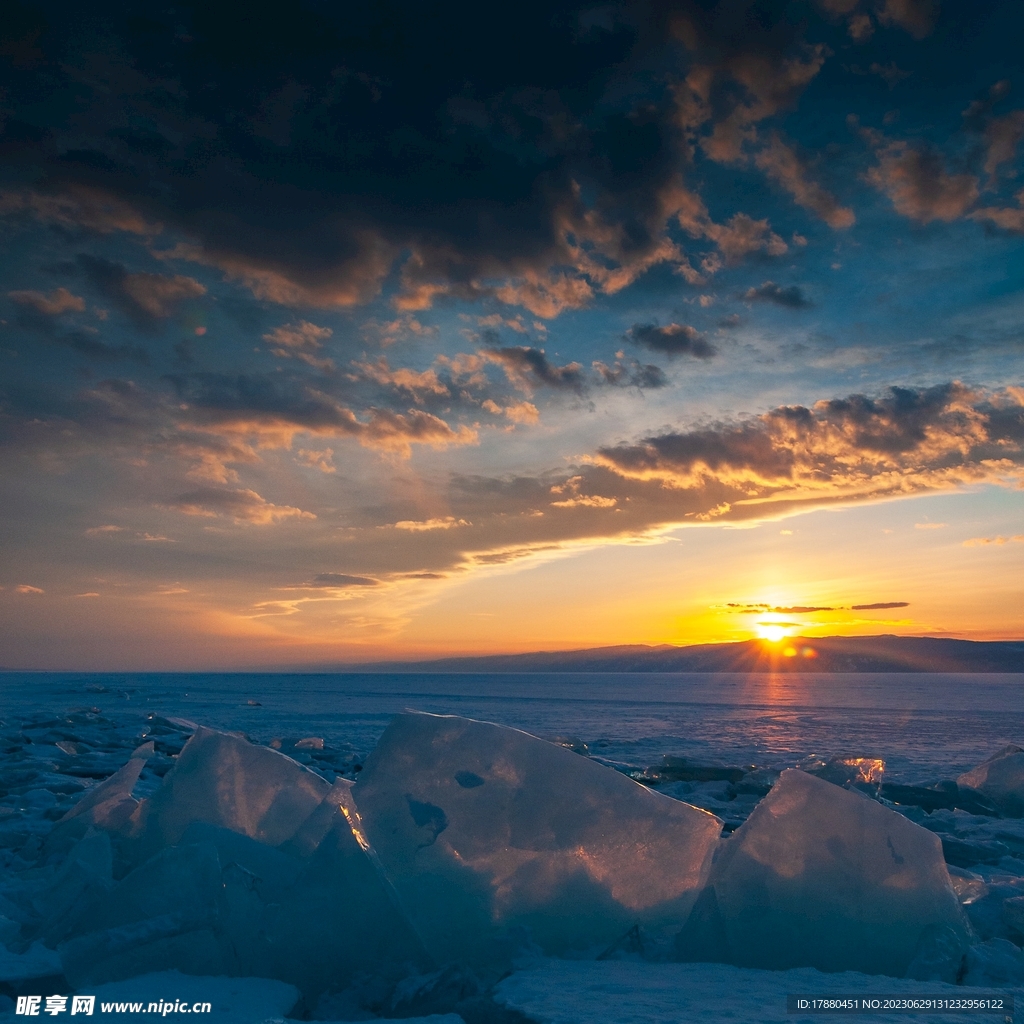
(1001, 779)
(492, 836)
(221, 779)
(822, 877)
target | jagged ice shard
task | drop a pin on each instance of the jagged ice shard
(243, 863)
(493, 838)
(1001, 779)
(222, 779)
(822, 877)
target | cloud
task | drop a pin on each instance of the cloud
(241, 504)
(418, 385)
(494, 179)
(38, 312)
(1007, 218)
(497, 320)
(321, 460)
(757, 609)
(571, 495)
(347, 278)
(738, 237)
(880, 606)
(915, 179)
(527, 367)
(977, 542)
(441, 523)
(339, 581)
(101, 531)
(768, 78)
(59, 301)
(781, 163)
(517, 412)
(24, 588)
(914, 16)
(791, 297)
(300, 341)
(405, 326)
(275, 411)
(91, 347)
(631, 374)
(76, 206)
(802, 609)
(143, 296)
(889, 73)
(1003, 136)
(905, 441)
(672, 339)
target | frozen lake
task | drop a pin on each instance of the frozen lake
(61, 733)
(926, 727)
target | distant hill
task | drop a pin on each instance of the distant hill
(809, 654)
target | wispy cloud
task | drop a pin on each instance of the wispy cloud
(978, 542)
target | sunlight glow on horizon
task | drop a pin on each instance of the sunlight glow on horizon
(772, 631)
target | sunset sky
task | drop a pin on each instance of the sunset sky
(333, 332)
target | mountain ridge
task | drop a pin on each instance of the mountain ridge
(883, 653)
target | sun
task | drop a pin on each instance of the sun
(772, 631)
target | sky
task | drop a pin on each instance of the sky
(335, 333)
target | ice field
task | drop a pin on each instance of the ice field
(367, 847)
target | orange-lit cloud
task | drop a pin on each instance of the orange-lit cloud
(978, 542)
(60, 300)
(241, 504)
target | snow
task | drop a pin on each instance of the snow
(819, 876)
(487, 831)
(234, 1000)
(36, 962)
(623, 992)
(433, 1018)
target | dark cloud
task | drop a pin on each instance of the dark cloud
(631, 374)
(146, 298)
(947, 431)
(529, 367)
(880, 606)
(38, 315)
(791, 297)
(895, 424)
(672, 339)
(92, 347)
(914, 16)
(309, 150)
(745, 447)
(275, 410)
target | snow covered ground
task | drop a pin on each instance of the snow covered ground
(561, 992)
